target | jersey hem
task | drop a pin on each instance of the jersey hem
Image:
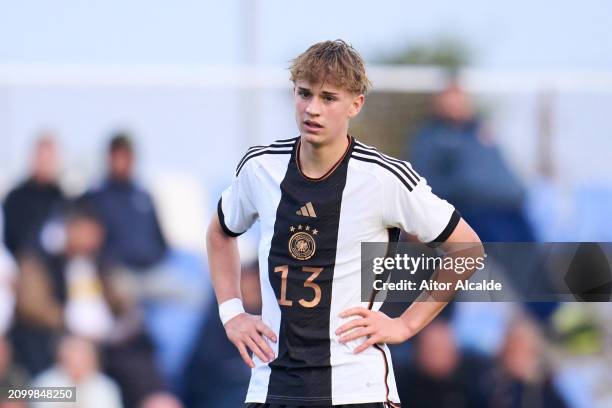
(448, 230)
(222, 222)
(337, 400)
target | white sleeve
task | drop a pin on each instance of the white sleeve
(415, 209)
(236, 209)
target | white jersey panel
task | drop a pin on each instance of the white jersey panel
(357, 378)
(268, 172)
(408, 202)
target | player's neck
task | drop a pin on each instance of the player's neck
(316, 161)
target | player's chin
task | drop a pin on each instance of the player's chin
(316, 139)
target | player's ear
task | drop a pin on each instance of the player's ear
(356, 105)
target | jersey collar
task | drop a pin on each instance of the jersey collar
(332, 169)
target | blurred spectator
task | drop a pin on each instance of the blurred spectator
(133, 234)
(522, 379)
(128, 354)
(13, 404)
(161, 400)
(86, 311)
(31, 203)
(464, 165)
(216, 375)
(61, 291)
(7, 290)
(99, 306)
(11, 375)
(442, 376)
(481, 326)
(77, 365)
(159, 280)
(38, 318)
(75, 291)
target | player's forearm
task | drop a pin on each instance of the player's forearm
(224, 262)
(463, 243)
(421, 313)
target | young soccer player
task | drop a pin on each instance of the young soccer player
(317, 197)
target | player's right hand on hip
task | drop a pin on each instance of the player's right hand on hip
(247, 332)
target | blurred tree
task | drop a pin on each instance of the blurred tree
(446, 52)
(389, 119)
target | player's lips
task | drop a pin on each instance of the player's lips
(312, 126)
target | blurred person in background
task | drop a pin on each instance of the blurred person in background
(216, 375)
(464, 165)
(102, 307)
(161, 400)
(30, 204)
(86, 311)
(62, 291)
(522, 379)
(11, 375)
(8, 281)
(442, 375)
(134, 237)
(128, 352)
(156, 278)
(75, 291)
(77, 365)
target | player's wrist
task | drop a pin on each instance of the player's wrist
(230, 309)
(407, 330)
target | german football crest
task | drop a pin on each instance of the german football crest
(302, 243)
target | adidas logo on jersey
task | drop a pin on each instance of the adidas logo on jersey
(307, 211)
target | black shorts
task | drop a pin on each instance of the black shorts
(267, 405)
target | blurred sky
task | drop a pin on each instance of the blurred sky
(200, 131)
(518, 34)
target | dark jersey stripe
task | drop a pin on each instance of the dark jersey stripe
(400, 162)
(292, 139)
(259, 153)
(386, 166)
(450, 227)
(249, 151)
(301, 373)
(277, 143)
(256, 149)
(402, 166)
(398, 167)
(224, 227)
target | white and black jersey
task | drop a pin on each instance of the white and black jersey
(309, 261)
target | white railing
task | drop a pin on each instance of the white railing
(385, 78)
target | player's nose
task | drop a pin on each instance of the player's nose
(313, 108)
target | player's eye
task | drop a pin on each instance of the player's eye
(329, 98)
(303, 93)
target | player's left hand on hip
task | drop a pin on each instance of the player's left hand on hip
(377, 326)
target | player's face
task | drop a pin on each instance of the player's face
(323, 111)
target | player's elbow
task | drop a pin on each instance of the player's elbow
(478, 248)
